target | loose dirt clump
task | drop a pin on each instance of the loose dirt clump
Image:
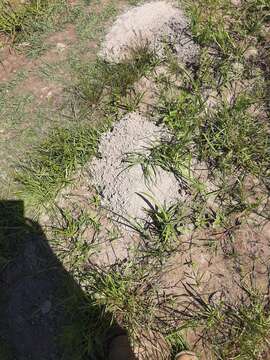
(119, 183)
(156, 24)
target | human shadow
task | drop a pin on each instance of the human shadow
(44, 314)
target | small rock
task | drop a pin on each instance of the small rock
(265, 33)
(60, 47)
(46, 307)
(186, 355)
(211, 99)
(20, 319)
(250, 53)
(238, 67)
(236, 2)
(49, 95)
(24, 44)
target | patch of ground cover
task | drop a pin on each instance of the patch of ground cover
(225, 133)
(31, 21)
(15, 15)
(109, 87)
(220, 138)
(33, 99)
(54, 163)
(111, 90)
(202, 269)
(55, 159)
(80, 238)
(203, 294)
(97, 91)
(214, 348)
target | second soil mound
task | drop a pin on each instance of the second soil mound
(119, 184)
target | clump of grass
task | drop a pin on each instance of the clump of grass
(116, 291)
(121, 296)
(224, 140)
(103, 80)
(51, 165)
(220, 137)
(68, 236)
(126, 296)
(169, 155)
(163, 222)
(238, 330)
(217, 23)
(162, 227)
(14, 16)
(177, 342)
(128, 292)
(148, 161)
(31, 21)
(73, 227)
(208, 25)
(86, 328)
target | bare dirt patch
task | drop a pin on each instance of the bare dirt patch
(67, 36)
(10, 62)
(41, 89)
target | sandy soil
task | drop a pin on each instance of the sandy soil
(157, 24)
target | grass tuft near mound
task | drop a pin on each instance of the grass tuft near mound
(15, 16)
(53, 163)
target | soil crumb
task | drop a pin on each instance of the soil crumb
(157, 24)
(119, 184)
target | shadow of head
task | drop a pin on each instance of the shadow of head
(44, 313)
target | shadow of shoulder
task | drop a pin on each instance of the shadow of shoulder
(44, 313)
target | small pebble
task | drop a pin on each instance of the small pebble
(236, 2)
(60, 47)
(46, 307)
(250, 53)
(238, 67)
(265, 33)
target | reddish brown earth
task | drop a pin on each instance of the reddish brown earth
(13, 60)
(10, 62)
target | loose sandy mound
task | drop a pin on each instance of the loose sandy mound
(155, 23)
(120, 185)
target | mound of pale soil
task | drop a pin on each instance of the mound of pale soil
(157, 24)
(119, 184)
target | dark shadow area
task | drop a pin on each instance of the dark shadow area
(44, 314)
